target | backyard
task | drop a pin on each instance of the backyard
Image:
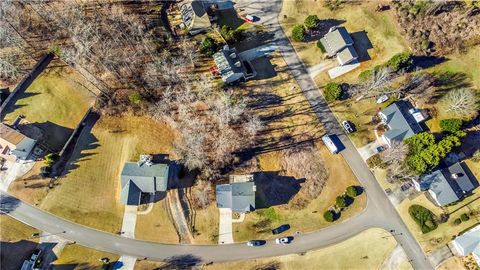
(55, 102)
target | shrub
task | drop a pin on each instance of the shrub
(231, 35)
(50, 159)
(135, 97)
(457, 221)
(375, 161)
(328, 216)
(311, 21)
(464, 217)
(352, 191)
(341, 201)
(208, 46)
(332, 91)
(423, 217)
(451, 125)
(365, 75)
(476, 156)
(299, 33)
(320, 46)
(400, 61)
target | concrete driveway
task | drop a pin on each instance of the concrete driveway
(225, 231)
(129, 221)
(13, 171)
(370, 149)
(257, 52)
(340, 70)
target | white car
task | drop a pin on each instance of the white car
(348, 128)
(382, 99)
(284, 240)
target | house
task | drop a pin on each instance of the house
(238, 195)
(195, 17)
(13, 144)
(140, 177)
(339, 42)
(231, 67)
(468, 243)
(402, 121)
(447, 185)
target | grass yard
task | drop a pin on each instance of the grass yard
(16, 242)
(452, 263)
(55, 102)
(30, 187)
(12, 230)
(354, 253)
(89, 193)
(80, 257)
(156, 225)
(379, 27)
(445, 231)
(311, 217)
(206, 225)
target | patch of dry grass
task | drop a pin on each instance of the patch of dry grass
(80, 257)
(354, 253)
(156, 225)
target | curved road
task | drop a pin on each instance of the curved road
(379, 211)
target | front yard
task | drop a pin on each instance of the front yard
(55, 102)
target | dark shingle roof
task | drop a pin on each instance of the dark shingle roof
(240, 197)
(148, 179)
(402, 125)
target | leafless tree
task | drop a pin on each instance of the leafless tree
(394, 159)
(461, 102)
(375, 85)
(9, 67)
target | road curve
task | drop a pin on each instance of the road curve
(379, 211)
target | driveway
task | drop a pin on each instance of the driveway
(370, 149)
(257, 52)
(225, 231)
(129, 221)
(340, 70)
(125, 263)
(13, 171)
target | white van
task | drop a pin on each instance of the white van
(330, 144)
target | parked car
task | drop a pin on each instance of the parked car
(35, 255)
(250, 18)
(256, 243)
(281, 229)
(382, 99)
(284, 240)
(347, 126)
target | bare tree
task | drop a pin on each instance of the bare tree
(394, 158)
(375, 85)
(461, 102)
(9, 67)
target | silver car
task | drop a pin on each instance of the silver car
(348, 128)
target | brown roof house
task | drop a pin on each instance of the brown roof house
(13, 144)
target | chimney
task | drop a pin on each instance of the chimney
(238, 64)
(233, 55)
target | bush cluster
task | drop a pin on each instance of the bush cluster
(451, 125)
(208, 46)
(231, 35)
(332, 91)
(400, 61)
(423, 217)
(299, 33)
(311, 21)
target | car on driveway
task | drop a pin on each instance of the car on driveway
(249, 18)
(284, 240)
(281, 229)
(347, 126)
(256, 243)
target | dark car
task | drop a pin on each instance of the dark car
(256, 243)
(281, 229)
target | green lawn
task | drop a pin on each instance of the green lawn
(55, 102)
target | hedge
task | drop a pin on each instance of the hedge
(299, 33)
(451, 125)
(332, 91)
(352, 191)
(423, 217)
(328, 216)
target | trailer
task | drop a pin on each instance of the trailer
(327, 140)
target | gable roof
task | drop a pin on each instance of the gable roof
(195, 16)
(470, 241)
(402, 125)
(240, 196)
(347, 55)
(10, 135)
(226, 64)
(336, 40)
(130, 194)
(447, 188)
(147, 178)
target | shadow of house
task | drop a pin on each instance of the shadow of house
(13, 254)
(264, 68)
(274, 189)
(54, 135)
(322, 29)
(362, 44)
(229, 17)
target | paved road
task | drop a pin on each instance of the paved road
(379, 211)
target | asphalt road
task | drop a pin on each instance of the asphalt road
(379, 211)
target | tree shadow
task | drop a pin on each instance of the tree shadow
(322, 29)
(446, 81)
(8, 203)
(14, 253)
(424, 61)
(274, 189)
(181, 262)
(362, 44)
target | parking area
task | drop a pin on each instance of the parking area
(12, 170)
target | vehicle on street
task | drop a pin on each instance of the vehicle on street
(347, 126)
(256, 243)
(281, 229)
(284, 240)
(327, 140)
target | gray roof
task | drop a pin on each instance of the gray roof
(148, 179)
(336, 40)
(347, 55)
(402, 125)
(470, 241)
(130, 194)
(195, 16)
(447, 188)
(240, 196)
(228, 66)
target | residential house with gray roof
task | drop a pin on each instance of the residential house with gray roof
(402, 121)
(238, 196)
(468, 243)
(449, 184)
(231, 67)
(339, 42)
(195, 17)
(141, 177)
